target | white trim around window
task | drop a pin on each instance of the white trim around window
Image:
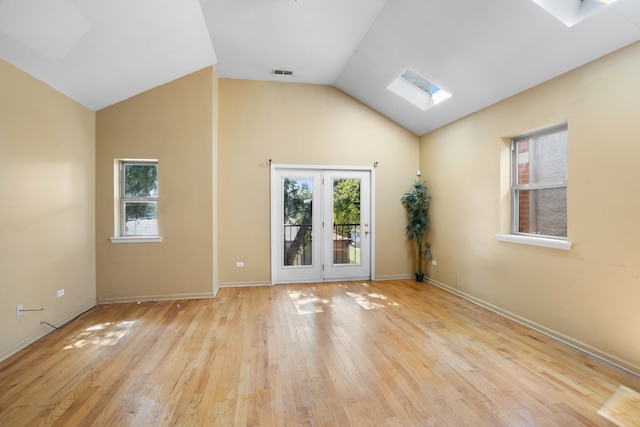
(535, 241)
(136, 239)
(121, 200)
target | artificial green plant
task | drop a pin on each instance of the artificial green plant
(416, 204)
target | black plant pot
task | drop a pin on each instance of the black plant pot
(419, 277)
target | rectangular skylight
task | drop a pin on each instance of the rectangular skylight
(418, 81)
(570, 12)
(418, 90)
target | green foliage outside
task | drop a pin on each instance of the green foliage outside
(297, 197)
(346, 201)
(140, 181)
(298, 206)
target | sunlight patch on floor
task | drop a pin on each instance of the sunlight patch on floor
(623, 408)
(372, 301)
(307, 302)
(102, 334)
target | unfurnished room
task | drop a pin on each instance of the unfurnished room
(320, 213)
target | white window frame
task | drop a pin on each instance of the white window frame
(121, 200)
(516, 236)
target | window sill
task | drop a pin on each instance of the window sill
(136, 239)
(535, 241)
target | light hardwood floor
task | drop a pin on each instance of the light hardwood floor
(338, 354)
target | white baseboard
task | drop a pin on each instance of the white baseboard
(250, 284)
(396, 277)
(242, 284)
(558, 336)
(44, 330)
(145, 298)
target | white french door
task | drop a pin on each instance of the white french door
(346, 235)
(296, 254)
(322, 228)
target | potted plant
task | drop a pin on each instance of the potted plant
(416, 204)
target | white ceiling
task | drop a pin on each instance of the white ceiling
(100, 52)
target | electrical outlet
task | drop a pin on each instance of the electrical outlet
(434, 262)
(19, 310)
(60, 292)
(239, 264)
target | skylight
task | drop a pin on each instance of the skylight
(417, 90)
(570, 12)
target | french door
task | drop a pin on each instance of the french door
(322, 226)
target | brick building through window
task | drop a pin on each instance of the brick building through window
(539, 188)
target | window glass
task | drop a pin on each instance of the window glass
(542, 159)
(139, 198)
(539, 185)
(140, 180)
(549, 214)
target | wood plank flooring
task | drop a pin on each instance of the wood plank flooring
(389, 353)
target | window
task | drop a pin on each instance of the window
(539, 183)
(572, 12)
(417, 90)
(139, 198)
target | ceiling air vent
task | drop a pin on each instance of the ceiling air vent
(283, 72)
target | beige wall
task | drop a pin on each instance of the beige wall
(47, 209)
(173, 123)
(215, 110)
(309, 125)
(590, 294)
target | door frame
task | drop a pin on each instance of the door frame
(275, 228)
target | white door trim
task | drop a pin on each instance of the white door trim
(275, 229)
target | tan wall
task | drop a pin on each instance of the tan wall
(215, 110)
(310, 125)
(174, 124)
(590, 293)
(47, 209)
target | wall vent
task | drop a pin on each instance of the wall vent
(283, 72)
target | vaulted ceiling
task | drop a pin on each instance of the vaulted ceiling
(100, 52)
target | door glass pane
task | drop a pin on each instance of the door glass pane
(346, 221)
(297, 194)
